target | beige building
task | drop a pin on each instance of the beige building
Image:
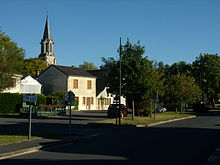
(63, 78)
(84, 89)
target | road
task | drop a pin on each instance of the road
(55, 125)
(185, 142)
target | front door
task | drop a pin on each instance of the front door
(88, 105)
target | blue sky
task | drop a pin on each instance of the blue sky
(86, 30)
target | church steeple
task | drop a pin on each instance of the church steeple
(46, 30)
(47, 46)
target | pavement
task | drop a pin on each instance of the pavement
(16, 149)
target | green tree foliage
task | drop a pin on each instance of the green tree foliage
(109, 63)
(136, 72)
(34, 66)
(87, 65)
(206, 70)
(158, 78)
(181, 88)
(179, 67)
(11, 60)
(59, 97)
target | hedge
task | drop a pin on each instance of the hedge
(11, 102)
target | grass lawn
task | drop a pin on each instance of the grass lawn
(8, 139)
(139, 120)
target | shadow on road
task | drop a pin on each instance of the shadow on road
(184, 144)
(153, 146)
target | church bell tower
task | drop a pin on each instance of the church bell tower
(47, 46)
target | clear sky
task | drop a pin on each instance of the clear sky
(86, 30)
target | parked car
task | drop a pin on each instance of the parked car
(114, 108)
(160, 109)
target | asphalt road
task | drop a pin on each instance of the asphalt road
(55, 125)
(186, 142)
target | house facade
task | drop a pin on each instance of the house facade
(30, 85)
(63, 78)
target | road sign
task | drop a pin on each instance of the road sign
(30, 98)
(69, 96)
(155, 100)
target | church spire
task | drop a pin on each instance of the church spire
(47, 46)
(47, 30)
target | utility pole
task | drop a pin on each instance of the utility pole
(30, 113)
(119, 117)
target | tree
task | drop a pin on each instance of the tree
(34, 66)
(136, 71)
(87, 65)
(158, 77)
(179, 67)
(11, 60)
(206, 70)
(59, 97)
(181, 89)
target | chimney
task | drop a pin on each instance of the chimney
(37, 73)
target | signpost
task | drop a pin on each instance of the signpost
(70, 97)
(155, 100)
(30, 99)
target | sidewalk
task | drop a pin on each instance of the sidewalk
(16, 149)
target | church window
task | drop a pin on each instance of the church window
(50, 47)
(47, 48)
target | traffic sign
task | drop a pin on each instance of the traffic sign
(30, 98)
(155, 100)
(69, 96)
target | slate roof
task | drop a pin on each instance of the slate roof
(72, 71)
(46, 30)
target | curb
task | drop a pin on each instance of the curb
(40, 147)
(19, 152)
(167, 121)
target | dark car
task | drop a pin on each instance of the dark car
(114, 108)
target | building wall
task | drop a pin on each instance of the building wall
(53, 80)
(104, 99)
(16, 86)
(85, 96)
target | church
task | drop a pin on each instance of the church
(88, 86)
(47, 46)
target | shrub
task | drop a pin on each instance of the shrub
(41, 99)
(59, 97)
(143, 108)
(11, 102)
